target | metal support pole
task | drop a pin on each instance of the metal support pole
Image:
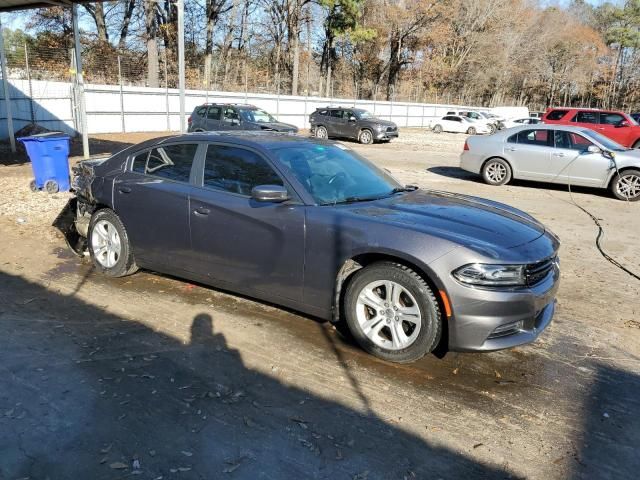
(26, 62)
(80, 82)
(7, 97)
(121, 95)
(181, 82)
(166, 91)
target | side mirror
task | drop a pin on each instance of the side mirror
(352, 119)
(593, 149)
(270, 193)
(623, 123)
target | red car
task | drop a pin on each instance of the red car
(616, 125)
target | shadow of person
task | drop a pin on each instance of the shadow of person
(88, 394)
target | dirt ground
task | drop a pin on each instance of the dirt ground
(156, 377)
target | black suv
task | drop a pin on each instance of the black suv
(351, 123)
(231, 116)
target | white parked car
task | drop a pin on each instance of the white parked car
(518, 122)
(480, 117)
(459, 124)
(556, 154)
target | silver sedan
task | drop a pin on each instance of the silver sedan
(556, 154)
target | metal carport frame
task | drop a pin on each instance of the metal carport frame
(13, 5)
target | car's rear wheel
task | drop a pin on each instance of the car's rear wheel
(492, 129)
(109, 245)
(321, 132)
(637, 144)
(365, 137)
(392, 313)
(626, 185)
(496, 171)
(437, 129)
(471, 131)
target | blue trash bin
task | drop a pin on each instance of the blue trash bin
(49, 155)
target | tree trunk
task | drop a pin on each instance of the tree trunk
(296, 63)
(126, 20)
(152, 43)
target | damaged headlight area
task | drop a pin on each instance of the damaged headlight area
(486, 275)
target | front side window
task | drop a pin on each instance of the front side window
(571, 141)
(608, 118)
(332, 174)
(172, 162)
(534, 137)
(361, 114)
(230, 114)
(256, 115)
(237, 170)
(586, 117)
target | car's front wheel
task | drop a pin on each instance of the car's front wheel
(109, 245)
(496, 171)
(321, 132)
(392, 313)
(437, 129)
(471, 131)
(366, 137)
(626, 185)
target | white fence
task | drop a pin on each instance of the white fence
(111, 109)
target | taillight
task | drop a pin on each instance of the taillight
(466, 145)
(189, 119)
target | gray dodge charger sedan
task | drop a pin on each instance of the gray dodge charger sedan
(311, 225)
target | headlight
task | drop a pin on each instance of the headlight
(491, 275)
(379, 127)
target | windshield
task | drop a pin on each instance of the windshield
(256, 115)
(333, 174)
(360, 114)
(604, 141)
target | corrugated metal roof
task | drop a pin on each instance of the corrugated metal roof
(10, 5)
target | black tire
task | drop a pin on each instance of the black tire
(492, 129)
(365, 136)
(491, 170)
(33, 186)
(125, 263)
(428, 336)
(51, 186)
(321, 132)
(437, 129)
(636, 145)
(471, 131)
(632, 175)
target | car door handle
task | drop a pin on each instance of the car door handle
(202, 211)
(558, 154)
(124, 189)
(510, 149)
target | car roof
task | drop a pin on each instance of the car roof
(256, 139)
(245, 105)
(542, 126)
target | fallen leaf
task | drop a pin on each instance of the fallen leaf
(455, 371)
(186, 453)
(478, 445)
(117, 466)
(498, 374)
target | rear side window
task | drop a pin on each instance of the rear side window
(534, 137)
(201, 111)
(214, 113)
(172, 162)
(556, 114)
(586, 117)
(336, 113)
(237, 170)
(322, 112)
(609, 118)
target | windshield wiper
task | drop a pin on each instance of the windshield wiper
(406, 188)
(353, 199)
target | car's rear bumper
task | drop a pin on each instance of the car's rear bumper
(520, 315)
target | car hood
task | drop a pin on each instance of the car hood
(465, 220)
(629, 157)
(377, 121)
(276, 126)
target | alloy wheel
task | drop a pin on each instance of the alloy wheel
(321, 132)
(388, 315)
(366, 137)
(628, 186)
(496, 172)
(106, 244)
